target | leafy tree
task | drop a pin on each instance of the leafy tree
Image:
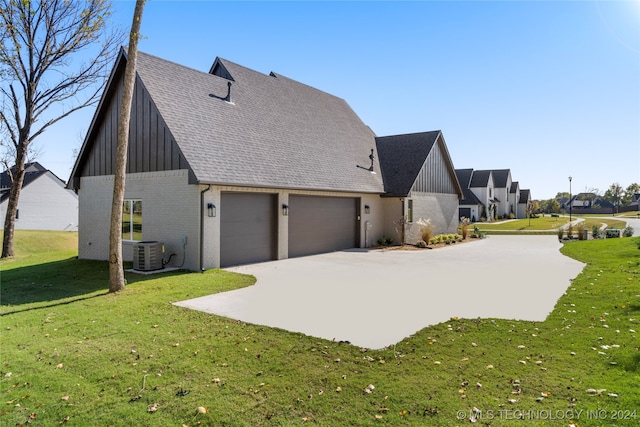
(629, 192)
(614, 194)
(562, 194)
(53, 53)
(116, 271)
(551, 206)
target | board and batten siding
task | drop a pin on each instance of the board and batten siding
(435, 176)
(152, 147)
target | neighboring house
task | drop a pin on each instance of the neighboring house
(587, 201)
(514, 198)
(419, 182)
(482, 185)
(502, 191)
(235, 166)
(44, 203)
(470, 206)
(635, 200)
(523, 203)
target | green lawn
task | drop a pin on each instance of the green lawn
(72, 353)
(540, 223)
(546, 223)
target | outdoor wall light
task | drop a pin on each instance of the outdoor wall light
(211, 209)
(285, 209)
(367, 209)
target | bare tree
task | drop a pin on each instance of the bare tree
(116, 272)
(53, 53)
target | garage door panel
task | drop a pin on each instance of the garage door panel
(247, 228)
(321, 224)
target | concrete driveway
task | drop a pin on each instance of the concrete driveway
(376, 298)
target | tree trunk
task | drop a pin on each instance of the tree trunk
(12, 203)
(116, 271)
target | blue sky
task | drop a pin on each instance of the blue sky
(547, 89)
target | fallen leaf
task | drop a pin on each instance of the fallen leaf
(338, 389)
(65, 397)
(378, 416)
(64, 420)
(202, 410)
(152, 408)
(59, 366)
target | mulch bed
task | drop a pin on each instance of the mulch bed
(407, 247)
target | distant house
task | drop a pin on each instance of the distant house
(44, 203)
(490, 194)
(523, 203)
(502, 193)
(586, 201)
(635, 200)
(235, 166)
(471, 206)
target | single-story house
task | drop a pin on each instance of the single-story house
(235, 166)
(44, 204)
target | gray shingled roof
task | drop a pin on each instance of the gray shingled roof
(275, 132)
(469, 198)
(525, 196)
(33, 171)
(514, 187)
(480, 178)
(500, 177)
(402, 157)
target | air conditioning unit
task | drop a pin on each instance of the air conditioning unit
(148, 256)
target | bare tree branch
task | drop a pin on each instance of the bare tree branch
(55, 56)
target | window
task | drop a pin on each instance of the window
(17, 213)
(409, 210)
(132, 220)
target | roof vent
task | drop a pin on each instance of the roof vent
(226, 98)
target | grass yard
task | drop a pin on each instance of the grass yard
(540, 223)
(546, 224)
(72, 353)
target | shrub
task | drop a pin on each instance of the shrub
(464, 227)
(560, 233)
(627, 232)
(580, 229)
(473, 218)
(426, 229)
(477, 233)
(385, 241)
(611, 232)
(595, 232)
(570, 231)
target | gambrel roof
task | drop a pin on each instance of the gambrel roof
(241, 127)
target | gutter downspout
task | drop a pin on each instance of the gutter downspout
(202, 227)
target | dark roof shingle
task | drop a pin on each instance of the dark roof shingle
(402, 157)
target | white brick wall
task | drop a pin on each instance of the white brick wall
(442, 209)
(170, 212)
